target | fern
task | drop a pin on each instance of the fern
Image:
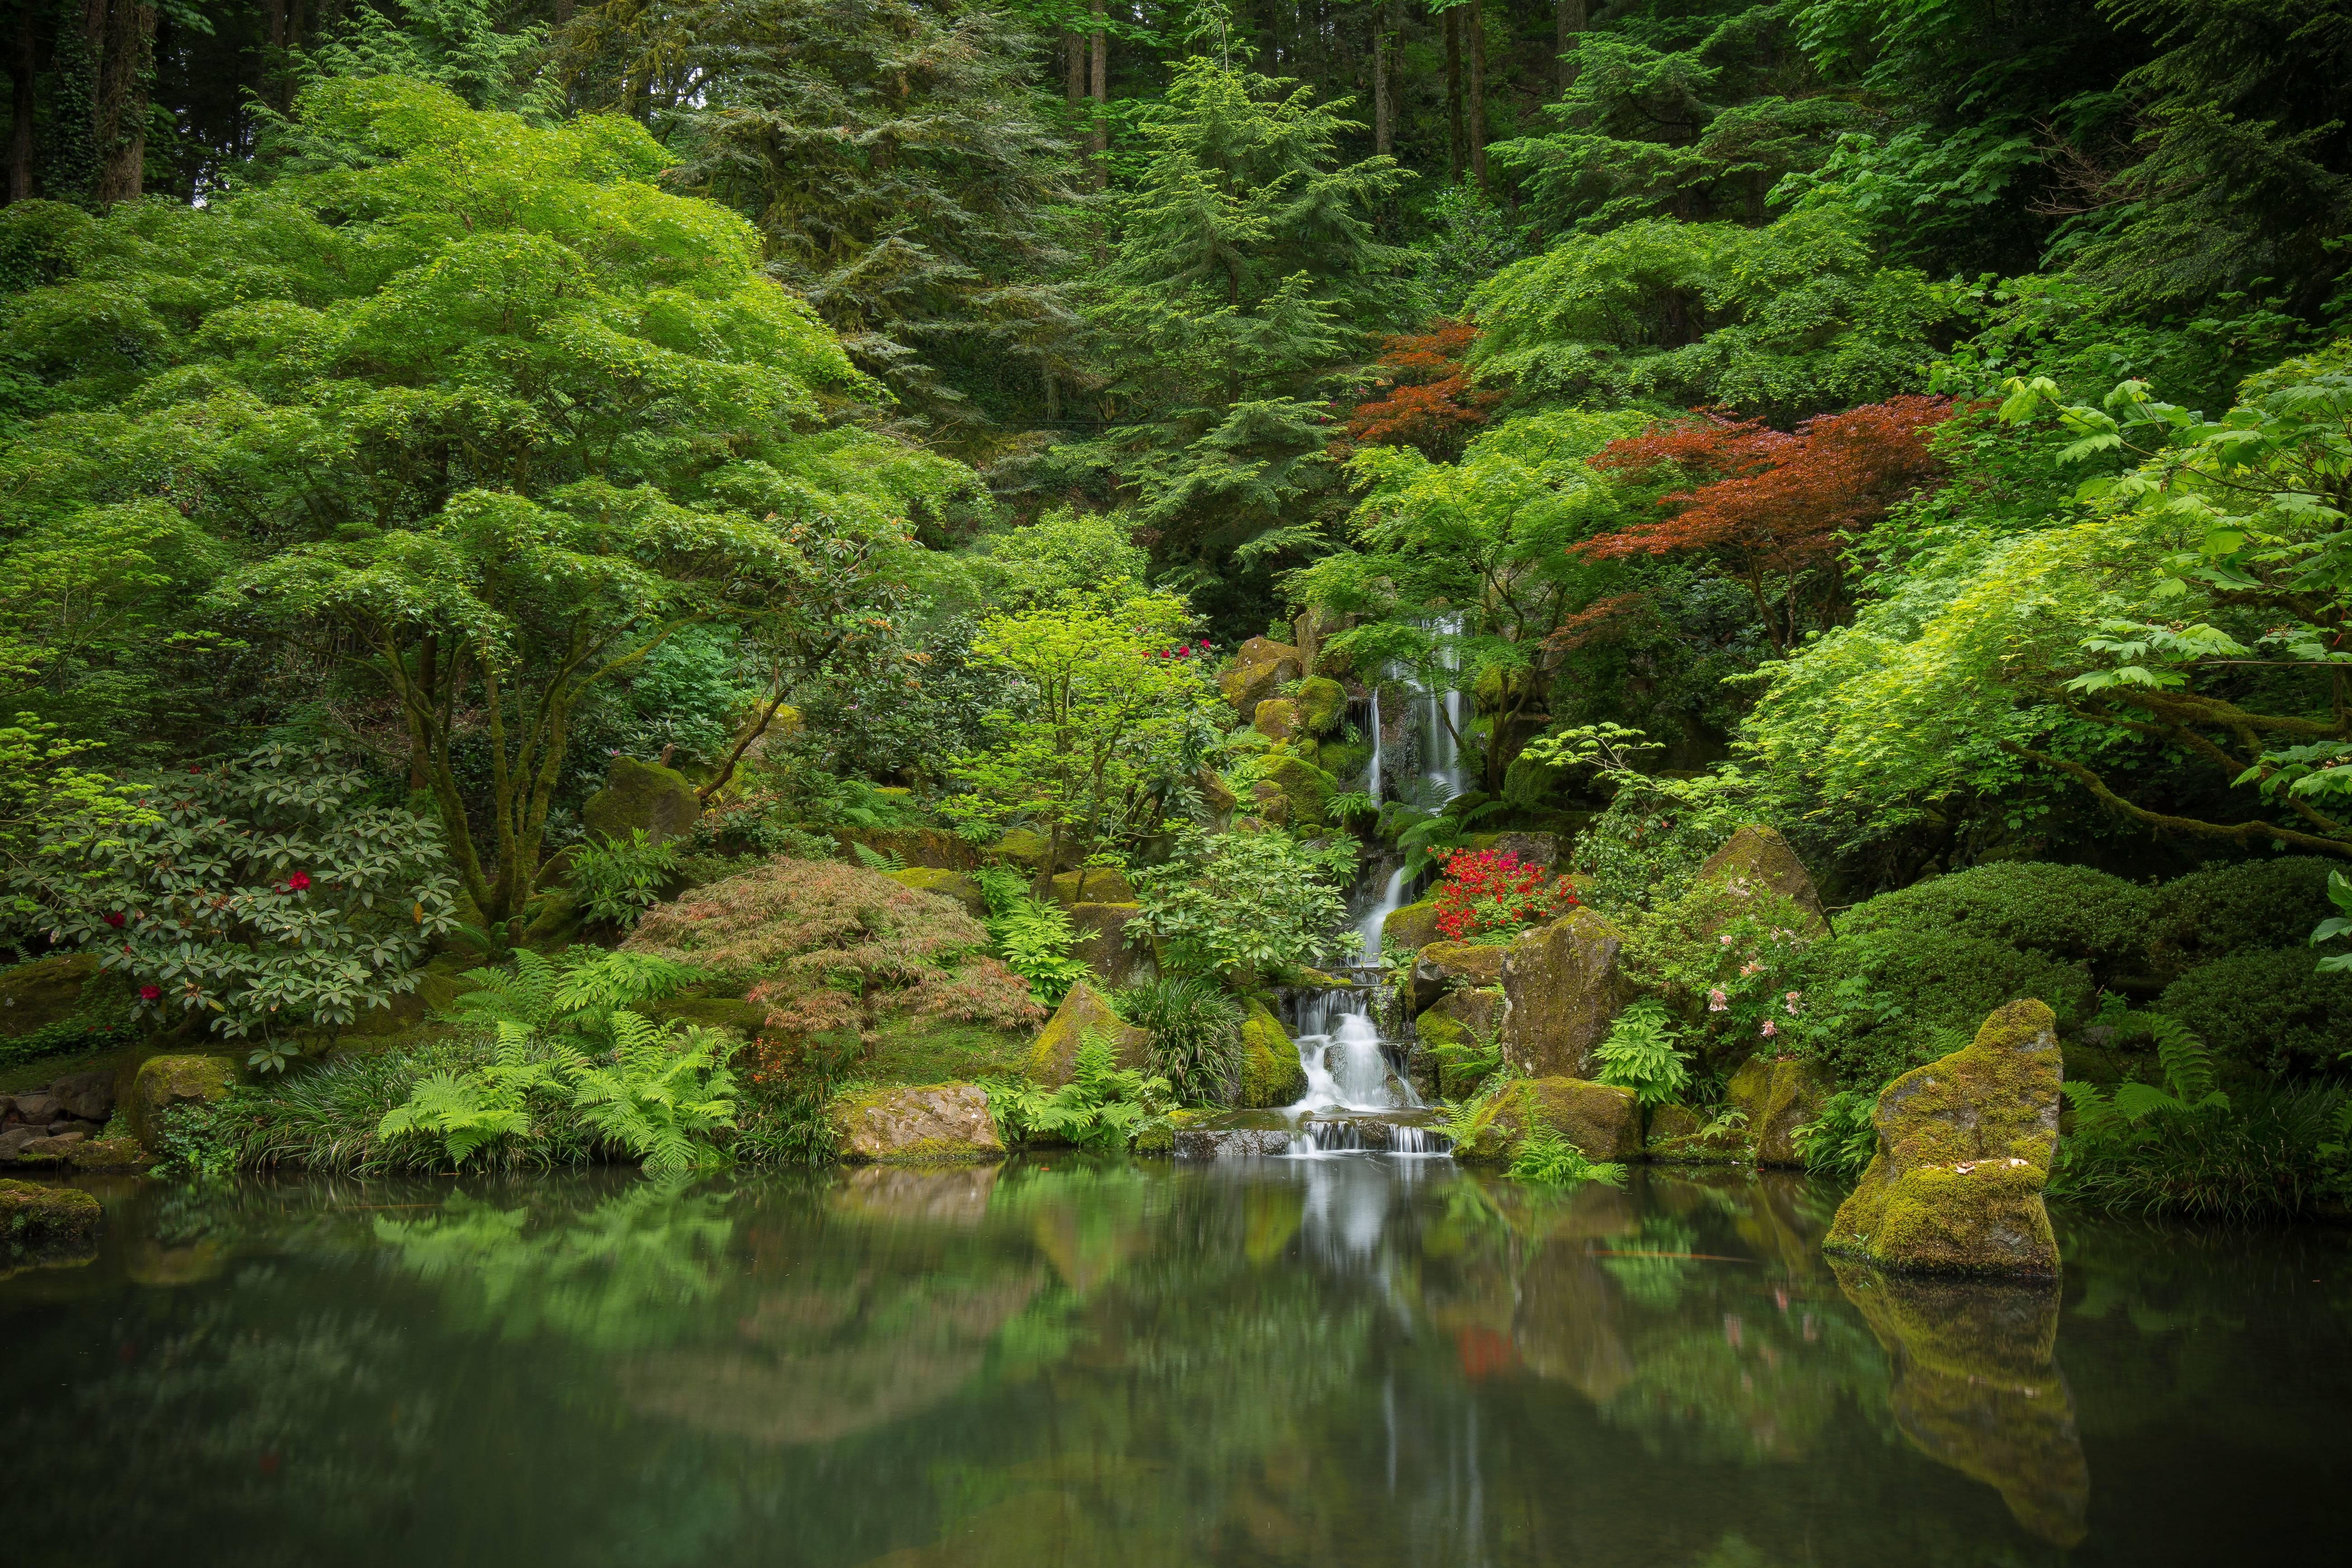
(470, 1113)
(1033, 938)
(1640, 1054)
(1843, 1139)
(1545, 1155)
(661, 1095)
(875, 860)
(1104, 1105)
(1460, 1123)
(2187, 1060)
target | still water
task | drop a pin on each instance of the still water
(1360, 1360)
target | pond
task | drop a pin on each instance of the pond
(1352, 1359)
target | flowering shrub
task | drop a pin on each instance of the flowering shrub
(1733, 962)
(1490, 893)
(257, 894)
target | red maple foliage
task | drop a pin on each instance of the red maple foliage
(1778, 509)
(1431, 404)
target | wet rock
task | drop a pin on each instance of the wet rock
(1271, 1074)
(936, 1122)
(1563, 987)
(1053, 1057)
(640, 795)
(85, 1095)
(1102, 945)
(1780, 1097)
(110, 1155)
(1231, 1137)
(1599, 1119)
(1975, 1385)
(1759, 856)
(1964, 1150)
(1453, 966)
(50, 1149)
(40, 1108)
(34, 1215)
(953, 886)
(163, 1083)
(1678, 1136)
(13, 1142)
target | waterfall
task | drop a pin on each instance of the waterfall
(1372, 783)
(1346, 1063)
(1391, 899)
(1442, 716)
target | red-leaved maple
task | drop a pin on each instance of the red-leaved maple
(1430, 403)
(1778, 508)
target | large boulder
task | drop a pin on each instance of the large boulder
(1052, 1056)
(1678, 1135)
(1277, 719)
(46, 990)
(1453, 966)
(1092, 884)
(1410, 929)
(1459, 1018)
(640, 795)
(1964, 1150)
(951, 885)
(1102, 945)
(1759, 855)
(33, 1214)
(1259, 667)
(110, 1155)
(1532, 848)
(1306, 789)
(936, 1122)
(1322, 704)
(1780, 1097)
(1564, 986)
(933, 848)
(1271, 1074)
(163, 1082)
(1599, 1119)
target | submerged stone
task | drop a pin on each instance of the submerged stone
(1964, 1149)
(935, 1121)
(1564, 987)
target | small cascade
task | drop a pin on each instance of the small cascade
(1358, 1098)
(1393, 897)
(1372, 773)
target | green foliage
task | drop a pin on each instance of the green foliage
(874, 860)
(1732, 959)
(617, 882)
(1545, 1155)
(2266, 1008)
(84, 1033)
(2239, 907)
(1842, 1140)
(2339, 893)
(1465, 1065)
(1193, 1035)
(470, 1112)
(2065, 911)
(573, 995)
(1243, 905)
(1104, 1106)
(1641, 1054)
(1647, 846)
(661, 1097)
(783, 1116)
(258, 896)
(1033, 936)
(2267, 1153)
(1880, 1005)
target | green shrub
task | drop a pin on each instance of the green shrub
(2065, 911)
(1842, 1140)
(1544, 1156)
(1731, 959)
(1104, 1105)
(1193, 1035)
(1882, 1004)
(618, 882)
(1247, 905)
(2271, 1009)
(328, 1116)
(2270, 1153)
(1032, 937)
(2238, 908)
(1640, 1054)
(1646, 848)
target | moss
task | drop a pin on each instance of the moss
(921, 1050)
(162, 1082)
(1277, 718)
(1322, 704)
(929, 848)
(110, 1155)
(952, 885)
(1965, 1145)
(710, 1013)
(1022, 846)
(45, 992)
(917, 1124)
(551, 921)
(1599, 1119)
(1161, 1139)
(639, 794)
(1677, 1135)
(1270, 1074)
(1780, 1097)
(1305, 787)
(1410, 929)
(1053, 1056)
(1096, 886)
(34, 1215)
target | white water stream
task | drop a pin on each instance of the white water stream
(1349, 1074)
(1434, 719)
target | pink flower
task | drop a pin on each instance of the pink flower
(1725, 939)
(1716, 1001)
(1768, 1030)
(1750, 967)
(300, 882)
(149, 992)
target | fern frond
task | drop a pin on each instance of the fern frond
(2187, 1060)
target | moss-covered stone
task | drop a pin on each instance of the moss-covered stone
(952, 885)
(163, 1082)
(1322, 704)
(552, 921)
(1307, 789)
(917, 1124)
(1277, 719)
(35, 1214)
(1024, 847)
(110, 1155)
(1780, 1097)
(1259, 667)
(639, 794)
(1565, 987)
(1214, 795)
(1270, 1074)
(1092, 884)
(710, 1013)
(1052, 1056)
(935, 848)
(1160, 1138)
(1677, 1135)
(1446, 966)
(1964, 1150)
(1410, 929)
(1758, 855)
(1599, 1119)
(1103, 946)
(45, 992)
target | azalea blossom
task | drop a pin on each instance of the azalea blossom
(1716, 1002)
(1769, 1030)
(149, 992)
(300, 882)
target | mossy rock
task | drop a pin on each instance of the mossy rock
(1306, 787)
(1780, 1097)
(639, 794)
(1270, 1074)
(1532, 848)
(1322, 704)
(1103, 946)
(932, 847)
(1277, 719)
(1259, 666)
(952, 885)
(110, 1155)
(1566, 986)
(1602, 1121)
(1094, 885)
(438, 985)
(710, 1013)
(1965, 1145)
(1446, 966)
(45, 992)
(1344, 761)
(1410, 929)
(1161, 1139)
(1758, 856)
(1214, 795)
(552, 920)
(1677, 1135)
(36, 1215)
(1022, 846)
(917, 1124)
(163, 1082)
(1052, 1056)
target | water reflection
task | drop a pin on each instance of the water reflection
(1351, 1359)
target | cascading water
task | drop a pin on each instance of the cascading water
(1353, 1088)
(1434, 719)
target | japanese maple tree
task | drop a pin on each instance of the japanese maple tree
(1430, 403)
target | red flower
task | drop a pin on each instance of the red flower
(298, 882)
(115, 918)
(149, 992)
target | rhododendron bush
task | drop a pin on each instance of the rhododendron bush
(831, 948)
(1493, 893)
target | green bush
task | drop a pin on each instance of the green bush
(616, 883)
(1882, 1004)
(2238, 908)
(1641, 1054)
(1647, 846)
(2269, 1008)
(1193, 1035)
(2268, 1154)
(2064, 911)
(1104, 1106)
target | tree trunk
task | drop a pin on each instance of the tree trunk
(1568, 20)
(118, 120)
(1454, 94)
(1477, 26)
(1074, 68)
(20, 102)
(1383, 109)
(1101, 139)
(564, 13)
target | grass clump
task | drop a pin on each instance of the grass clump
(1192, 1033)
